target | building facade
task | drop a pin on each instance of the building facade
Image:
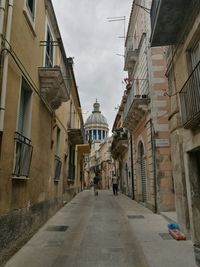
(121, 150)
(38, 96)
(145, 113)
(105, 163)
(183, 72)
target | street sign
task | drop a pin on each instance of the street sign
(162, 142)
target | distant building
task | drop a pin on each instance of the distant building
(96, 130)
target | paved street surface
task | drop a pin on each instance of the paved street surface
(104, 231)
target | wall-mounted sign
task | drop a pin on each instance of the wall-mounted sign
(162, 142)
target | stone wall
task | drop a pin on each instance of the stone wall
(18, 226)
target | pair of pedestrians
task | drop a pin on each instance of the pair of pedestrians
(114, 180)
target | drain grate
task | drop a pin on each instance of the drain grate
(135, 216)
(57, 228)
(165, 236)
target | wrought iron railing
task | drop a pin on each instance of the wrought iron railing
(23, 156)
(190, 99)
(57, 168)
(133, 94)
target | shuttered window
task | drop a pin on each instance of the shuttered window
(49, 49)
(24, 109)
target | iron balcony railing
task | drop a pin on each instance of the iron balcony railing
(57, 168)
(190, 99)
(132, 94)
(23, 156)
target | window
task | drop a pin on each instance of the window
(24, 115)
(94, 134)
(31, 6)
(57, 152)
(49, 49)
(57, 161)
(195, 55)
(71, 162)
(23, 147)
(99, 135)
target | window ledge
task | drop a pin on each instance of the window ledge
(70, 180)
(30, 22)
(20, 177)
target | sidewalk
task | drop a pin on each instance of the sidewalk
(151, 230)
(104, 231)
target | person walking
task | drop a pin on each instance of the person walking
(115, 184)
(96, 184)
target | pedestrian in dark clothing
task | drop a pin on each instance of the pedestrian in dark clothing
(115, 184)
(96, 184)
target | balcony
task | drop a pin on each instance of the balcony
(57, 168)
(23, 156)
(190, 100)
(76, 135)
(53, 86)
(136, 104)
(169, 19)
(134, 112)
(120, 142)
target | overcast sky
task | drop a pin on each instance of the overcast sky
(94, 43)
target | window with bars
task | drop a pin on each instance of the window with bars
(23, 147)
(190, 92)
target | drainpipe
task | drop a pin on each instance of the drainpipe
(153, 145)
(5, 66)
(132, 170)
(2, 11)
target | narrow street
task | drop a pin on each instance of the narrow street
(103, 231)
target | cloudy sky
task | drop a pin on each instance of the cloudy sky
(94, 43)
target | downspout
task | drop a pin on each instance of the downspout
(2, 12)
(153, 145)
(5, 66)
(132, 170)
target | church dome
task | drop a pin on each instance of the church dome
(96, 126)
(96, 118)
